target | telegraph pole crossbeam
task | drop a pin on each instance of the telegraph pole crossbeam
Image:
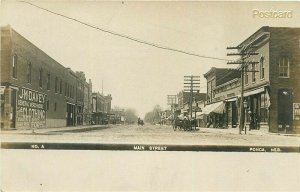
(172, 100)
(191, 85)
(244, 55)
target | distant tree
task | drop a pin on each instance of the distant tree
(130, 116)
(154, 115)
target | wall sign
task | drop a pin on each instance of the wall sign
(31, 111)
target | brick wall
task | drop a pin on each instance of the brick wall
(283, 42)
(12, 44)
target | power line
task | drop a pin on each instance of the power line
(125, 36)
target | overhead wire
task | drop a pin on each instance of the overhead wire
(125, 36)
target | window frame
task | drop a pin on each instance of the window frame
(48, 81)
(41, 77)
(282, 66)
(56, 84)
(253, 68)
(60, 86)
(262, 67)
(15, 66)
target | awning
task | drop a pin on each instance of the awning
(256, 91)
(215, 108)
(199, 115)
(232, 99)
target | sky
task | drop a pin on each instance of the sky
(137, 75)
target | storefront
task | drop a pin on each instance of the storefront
(23, 108)
(257, 113)
(231, 112)
(213, 115)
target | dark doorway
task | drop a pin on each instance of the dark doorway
(285, 110)
(234, 114)
(13, 108)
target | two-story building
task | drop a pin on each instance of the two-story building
(185, 99)
(38, 91)
(221, 107)
(101, 108)
(271, 86)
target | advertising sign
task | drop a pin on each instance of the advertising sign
(296, 111)
(31, 111)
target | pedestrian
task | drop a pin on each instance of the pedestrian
(251, 116)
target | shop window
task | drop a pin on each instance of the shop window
(284, 67)
(48, 81)
(262, 67)
(41, 77)
(29, 72)
(15, 66)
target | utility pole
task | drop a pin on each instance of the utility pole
(244, 53)
(172, 101)
(191, 84)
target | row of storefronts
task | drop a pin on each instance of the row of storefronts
(271, 87)
(38, 92)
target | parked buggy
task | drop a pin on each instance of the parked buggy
(184, 124)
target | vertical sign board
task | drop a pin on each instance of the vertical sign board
(31, 111)
(296, 111)
(296, 114)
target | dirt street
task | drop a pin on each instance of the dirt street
(156, 134)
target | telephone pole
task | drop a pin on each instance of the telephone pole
(244, 53)
(172, 101)
(191, 84)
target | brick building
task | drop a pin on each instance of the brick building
(223, 87)
(87, 103)
(273, 93)
(272, 87)
(38, 91)
(101, 108)
(184, 99)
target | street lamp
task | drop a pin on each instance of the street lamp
(245, 103)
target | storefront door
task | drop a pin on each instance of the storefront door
(285, 110)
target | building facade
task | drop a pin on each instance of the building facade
(223, 86)
(271, 86)
(184, 100)
(273, 91)
(38, 91)
(101, 108)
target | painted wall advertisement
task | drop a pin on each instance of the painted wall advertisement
(31, 111)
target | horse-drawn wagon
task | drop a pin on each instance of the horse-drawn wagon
(183, 123)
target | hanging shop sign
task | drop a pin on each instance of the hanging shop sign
(31, 112)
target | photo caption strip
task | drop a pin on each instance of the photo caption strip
(148, 147)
